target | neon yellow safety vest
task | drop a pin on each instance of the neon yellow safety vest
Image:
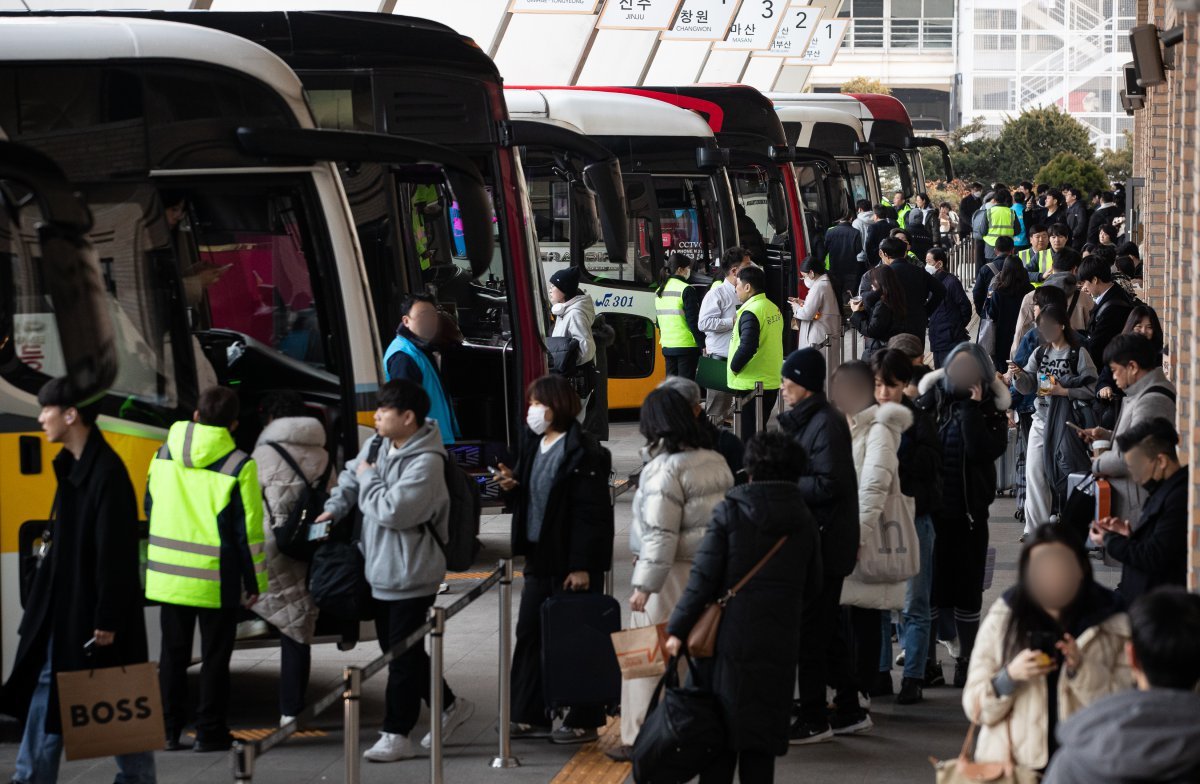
(1041, 263)
(1000, 224)
(197, 477)
(671, 323)
(767, 362)
(716, 284)
(900, 213)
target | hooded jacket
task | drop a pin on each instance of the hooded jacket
(753, 672)
(287, 604)
(948, 323)
(974, 435)
(573, 319)
(405, 490)
(876, 433)
(1101, 635)
(671, 510)
(1129, 738)
(1067, 282)
(829, 483)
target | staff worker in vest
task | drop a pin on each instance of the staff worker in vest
(86, 587)
(410, 356)
(1037, 258)
(756, 347)
(205, 560)
(678, 307)
(1001, 222)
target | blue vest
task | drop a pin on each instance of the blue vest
(440, 409)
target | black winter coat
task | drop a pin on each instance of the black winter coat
(876, 322)
(948, 324)
(877, 232)
(1156, 554)
(921, 461)
(1006, 309)
(966, 210)
(843, 243)
(577, 532)
(829, 484)
(753, 672)
(1107, 321)
(88, 580)
(1077, 222)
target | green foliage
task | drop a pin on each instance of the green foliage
(1118, 164)
(865, 84)
(972, 152)
(1034, 138)
(1069, 169)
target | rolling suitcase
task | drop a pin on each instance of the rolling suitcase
(1006, 465)
(579, 665)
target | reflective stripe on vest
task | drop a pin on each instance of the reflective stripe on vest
(672, 324)
(999, 226)
(767, 362)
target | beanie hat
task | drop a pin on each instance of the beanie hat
(806, 367)
(566, 280)
(911, 345)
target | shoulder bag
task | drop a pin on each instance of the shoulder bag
(965, 770)
(683, 734)
(702, 639)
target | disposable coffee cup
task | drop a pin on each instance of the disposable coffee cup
(1100, 447)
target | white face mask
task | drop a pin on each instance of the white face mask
(537, 418)
(931, 269)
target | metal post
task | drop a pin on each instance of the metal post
(437, 615)
(351, 705)
(608, 583)
(758, 406)
(738, 402)
(243, 761)
(505, 758)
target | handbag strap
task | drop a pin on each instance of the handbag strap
(732, 592)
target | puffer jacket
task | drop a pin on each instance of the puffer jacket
(1023, 713)
(672, 509)
(820, 318)
(573, 319)
(876, 433)
(287, 604)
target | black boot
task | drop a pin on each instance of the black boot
(910, 692)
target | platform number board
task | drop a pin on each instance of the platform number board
(755, 25)
(638, 14)
(703, 20)
(826, 40)
(793, 36)
(553, 6)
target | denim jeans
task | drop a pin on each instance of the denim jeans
(915, 635)
(41, 751)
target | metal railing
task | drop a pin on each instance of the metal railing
(349, 689)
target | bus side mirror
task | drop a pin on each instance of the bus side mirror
(604, 180)
(777, 204)
(710, 158)
(585, 218)
(478, 219)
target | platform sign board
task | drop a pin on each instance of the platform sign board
(553, 6)
(638, 14)
(799, 24)
(825, 42)
(755, 25)
(703, 20)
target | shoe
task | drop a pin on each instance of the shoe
(391, 747)
(851, 725)
(864, 701)
(452, 718)
(934, 676)
(804, 733)
(952, 647)
(518, 731)
(286, 720)
(204, 745)
(960, 673)
(910, 692)
(568, 735)
(443, 588)
(900, 659)
(620, 753)
(175, 743)
(256, 628)
(882, 687)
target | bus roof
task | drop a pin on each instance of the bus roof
(830, 130)
(604, 113)
(67, 38)
(885, 120)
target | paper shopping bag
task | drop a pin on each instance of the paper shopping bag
(640, 652)
(110, 711)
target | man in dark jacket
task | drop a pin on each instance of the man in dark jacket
(843, 244)
(1111, 310)
(84, 610)
(1077, 218)
(922, 294)
(948, 322)
(966, 209)
(877, 232)
(988, 272)
(1102, 215)
(1149, 733)
(830, 489)
(1155, 552)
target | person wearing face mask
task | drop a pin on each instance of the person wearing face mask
(574, 314)
(1154, 552)
(969, 401)
(818, 317)
(948, 321)
(1051, 646)
(411, 357)
(563, 525)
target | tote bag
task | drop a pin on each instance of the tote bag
(891, 552)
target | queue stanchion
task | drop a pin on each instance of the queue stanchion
(758, 406)
(243, 761)
(739, 402)
(505, 758)
(351, 705)
(437, 616)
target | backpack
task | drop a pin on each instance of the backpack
(292, 536)
(465, 511)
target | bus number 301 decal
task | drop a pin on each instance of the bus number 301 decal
(609, 300)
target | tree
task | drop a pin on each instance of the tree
(1032, 139)
(972, 152)
(865, 84)
(1069, 169)
(1118, 164)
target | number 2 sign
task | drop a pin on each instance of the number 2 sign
(797, 29)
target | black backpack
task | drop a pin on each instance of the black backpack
(465, 511)
(292, 537)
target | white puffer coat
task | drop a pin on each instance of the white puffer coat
(672, 508)
(875, 433)
(287, 605)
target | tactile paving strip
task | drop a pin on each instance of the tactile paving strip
(591, 766)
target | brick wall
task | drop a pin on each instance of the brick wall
(1167, 155)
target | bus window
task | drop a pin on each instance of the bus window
(687, 218)
(810, 193)
(752, 189)
(856, 180)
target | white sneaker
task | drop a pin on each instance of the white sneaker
(286, 720)
(953, 647)
(452, 718)
(390, 747)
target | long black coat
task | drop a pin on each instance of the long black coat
(1156, 554)
(754, 670)
(88, 580)
(829, 484)
(1106, 322)
(577, 532)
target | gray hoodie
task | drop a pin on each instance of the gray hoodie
(405, 490)
(1131, 738)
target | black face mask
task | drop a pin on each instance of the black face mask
(1152, 486)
